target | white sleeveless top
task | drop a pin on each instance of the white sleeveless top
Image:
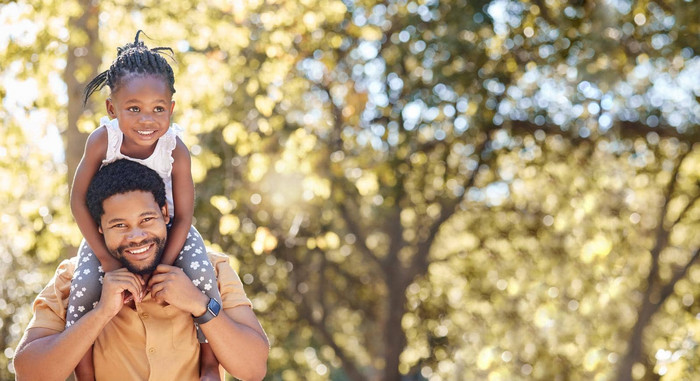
(161, 160)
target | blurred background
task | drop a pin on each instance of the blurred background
(409, 189)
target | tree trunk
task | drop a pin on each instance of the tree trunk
(394, 336)
(77, 58)
(635, 345)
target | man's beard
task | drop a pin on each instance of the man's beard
(160, 245)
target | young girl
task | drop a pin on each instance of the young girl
(140, 106)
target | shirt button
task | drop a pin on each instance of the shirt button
(151, 350)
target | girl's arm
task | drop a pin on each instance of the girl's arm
(95, 151)
(183, 200)
(209, 369)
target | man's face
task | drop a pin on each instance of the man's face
(134, 229)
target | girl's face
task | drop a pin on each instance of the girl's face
(143, 105)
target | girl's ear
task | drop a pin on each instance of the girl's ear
(110, 108)
(172, 107)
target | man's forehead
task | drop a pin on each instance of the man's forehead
(130, 202)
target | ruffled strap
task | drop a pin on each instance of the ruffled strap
(177, 129)
(114, 138)
(169, 142)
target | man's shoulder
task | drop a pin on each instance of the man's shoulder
(230, 285)
(66, 269)
(50, 304)
(220, 261)
(63, 276)
(218, 258)
(216, 255)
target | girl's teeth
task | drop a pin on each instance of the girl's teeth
(145, 132)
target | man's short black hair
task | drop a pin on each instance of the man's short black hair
(119, 177)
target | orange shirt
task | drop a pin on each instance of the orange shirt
(153, 342)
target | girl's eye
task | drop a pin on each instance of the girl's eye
(159, 109)
(134, 109)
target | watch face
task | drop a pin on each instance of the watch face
(214, 307)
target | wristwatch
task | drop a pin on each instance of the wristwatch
(213, 308)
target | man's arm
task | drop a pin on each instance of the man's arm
(235, 335)
(46, 354)
(239, 342)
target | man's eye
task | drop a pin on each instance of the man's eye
(119, 226)
(134, 109)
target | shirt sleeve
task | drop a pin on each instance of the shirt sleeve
(50, 305)
(230, 286)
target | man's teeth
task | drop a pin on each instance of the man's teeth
(139, 251)
(145, 132)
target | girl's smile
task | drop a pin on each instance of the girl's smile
(143, 104)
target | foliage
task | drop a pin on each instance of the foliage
(498, 189)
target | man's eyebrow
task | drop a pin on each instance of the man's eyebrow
(144, 214)
(113, 220)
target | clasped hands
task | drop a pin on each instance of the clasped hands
(167, 284)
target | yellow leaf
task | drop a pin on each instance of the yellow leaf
(222, 203)
(371, 33)
(229, 224)
(264, 105)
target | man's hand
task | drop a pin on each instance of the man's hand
(169, 284)
(118, 288)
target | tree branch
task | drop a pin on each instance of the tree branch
(544, 11)
(678, 275)
(685, 210)
(361, 240)
(448, 207)
(348, 364)
(395, 228)
(336, 144)
(661, 232)
(624, 129)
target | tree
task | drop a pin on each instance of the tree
(378, 170)
(403, 107)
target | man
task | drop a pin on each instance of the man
(142, 328)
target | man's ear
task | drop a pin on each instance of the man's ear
(166, 216)
(110, 108)
(99, 229)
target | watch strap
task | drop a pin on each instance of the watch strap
(213, 308)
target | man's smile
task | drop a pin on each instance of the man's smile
(141, 252)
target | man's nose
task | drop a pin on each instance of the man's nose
(136, 234)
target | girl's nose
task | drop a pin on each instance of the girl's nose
(146, 117)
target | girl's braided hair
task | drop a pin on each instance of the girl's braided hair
(133, 58)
